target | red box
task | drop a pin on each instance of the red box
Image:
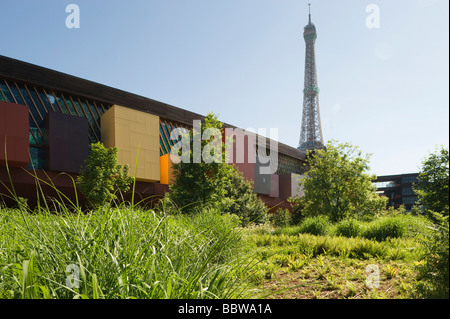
(15, 131)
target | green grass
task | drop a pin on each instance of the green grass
(297, 265)
(379, 229)
(120, 253)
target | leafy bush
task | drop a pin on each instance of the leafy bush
(434, 274)
(215, 185)
(281, 218)
(101, 177)
(242, 201)
(201, 184)
(387, 227)
(297, 209)
(317, 225)
(348, 228)
(432, 187)
(396, 226)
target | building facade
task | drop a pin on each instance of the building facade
(49, 119)
(398, 189)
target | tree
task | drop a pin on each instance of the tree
(337, 184)
(101, 176)
(432, 190)
(432, 186)
(213, 183)
(199, 184)
(242, 201)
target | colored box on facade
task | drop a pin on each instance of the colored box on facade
(241, 152)
(136, 135)
(15, 132)
(262, 181)
(166, 168)
(289, 185)
(67, 142)
(274, 185)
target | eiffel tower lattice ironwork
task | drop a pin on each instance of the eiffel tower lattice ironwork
(311, 131)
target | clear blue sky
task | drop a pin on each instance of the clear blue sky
(383, 89)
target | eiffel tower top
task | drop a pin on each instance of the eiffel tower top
(309, 9)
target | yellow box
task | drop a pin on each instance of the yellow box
(132, 131)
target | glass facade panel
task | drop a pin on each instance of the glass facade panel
(385, 184)
(6, 93)
(68, 104)
(409, 200)
(16, 94)
(37, 158)
(165, 142)
(407, 191)
(36, 114)
(40, 101)
(41, 108)
(409, 179)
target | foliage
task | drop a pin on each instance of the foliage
(281, 218)
(200, 184)
(216, 184)
(242, 200)
(101, 177)
(434, 273)
(348, 228)
(356, 247)
(297, 209)
(384, 228)
(316, 225)
(432, 187)
(120, 253)
(337, 184)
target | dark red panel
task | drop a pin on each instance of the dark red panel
(285, 186)
(14, 130)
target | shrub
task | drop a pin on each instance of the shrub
(281, 218)
(297, 209)
(348, 228)
(397, 226)
(434, 274)
(242, 201)
(101, 176)
(317, 225)
(214, 184)
(386, 227)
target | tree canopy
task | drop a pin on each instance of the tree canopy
(337, 183)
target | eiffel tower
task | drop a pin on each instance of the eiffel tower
(311, 131)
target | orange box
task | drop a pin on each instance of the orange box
(167, 173)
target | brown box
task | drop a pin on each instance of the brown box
(68, 142)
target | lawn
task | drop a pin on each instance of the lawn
(305, 266)
(119, 253)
